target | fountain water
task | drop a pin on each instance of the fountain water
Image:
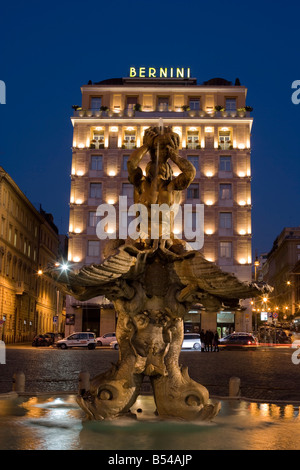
(56, 422)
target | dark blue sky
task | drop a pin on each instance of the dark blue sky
(48, 50)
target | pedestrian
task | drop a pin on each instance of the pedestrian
(216, 342)
(206, 341)
(202, 339)
(210, 340)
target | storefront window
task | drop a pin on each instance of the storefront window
(192, 322)
(225, 323)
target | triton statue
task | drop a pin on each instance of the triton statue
(153, 284)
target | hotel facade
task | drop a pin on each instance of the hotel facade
(214, 125)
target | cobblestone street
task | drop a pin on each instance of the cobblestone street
(266, 373)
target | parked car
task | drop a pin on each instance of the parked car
(82, 339)
(106, 339)
(55, 336)
(191, 341)
(239, 339)
(42, 340)
(114, 344)
(275, 335)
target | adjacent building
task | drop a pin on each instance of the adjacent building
(214, 126)
(281, 270)
(29, 301)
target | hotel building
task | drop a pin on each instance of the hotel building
(214, 126)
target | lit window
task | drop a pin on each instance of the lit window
(131, 101)
(194, 104)
(93, 219)
(225, 220)
(224, 139)
(97, 141)
(163, 103)
(225, 249)
(96, 162)
(124, 162)
(225, 192)
(129, 139)
(193, 140)
(193, 191)
(225, 163)
(231, 104)
(96, 103)
(194, 160)
(96, 190)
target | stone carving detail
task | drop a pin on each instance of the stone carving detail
(153, 284)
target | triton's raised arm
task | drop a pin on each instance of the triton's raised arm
(135, 173)
(188, 174)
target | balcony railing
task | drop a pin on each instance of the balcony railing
(95, 144)
(129, 145)
(193, 145)
(225, 145)
(178, 113)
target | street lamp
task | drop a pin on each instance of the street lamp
(256, 264)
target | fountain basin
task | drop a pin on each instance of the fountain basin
(56, 422)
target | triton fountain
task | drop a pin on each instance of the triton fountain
(153, 283)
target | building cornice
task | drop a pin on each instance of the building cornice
(153, 120)
(155, 88)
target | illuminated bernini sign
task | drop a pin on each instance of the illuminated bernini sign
(162, 72)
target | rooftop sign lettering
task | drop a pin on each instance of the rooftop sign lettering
(162, 72)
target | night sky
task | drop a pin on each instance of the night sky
(48, 50)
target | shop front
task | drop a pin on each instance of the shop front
(192, 322)
(225, 323)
